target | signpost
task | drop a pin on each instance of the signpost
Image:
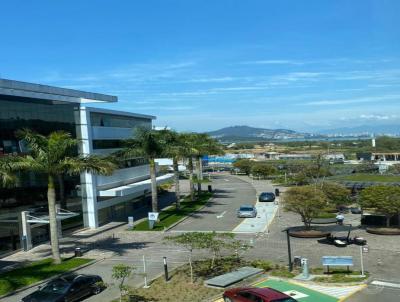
(130, 223)
(363, 250)
(153, 217)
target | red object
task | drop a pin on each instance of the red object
(254, 294)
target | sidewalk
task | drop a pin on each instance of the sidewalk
(86, 236)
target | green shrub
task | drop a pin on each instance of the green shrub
(265, 265)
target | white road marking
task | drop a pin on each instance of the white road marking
(385, 284)
(221, 215)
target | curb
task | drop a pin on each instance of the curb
(49, 279)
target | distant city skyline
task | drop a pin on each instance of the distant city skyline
(204, 65)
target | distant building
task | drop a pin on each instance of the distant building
(390, 157)
(295, 156)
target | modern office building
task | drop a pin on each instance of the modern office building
(89, 200)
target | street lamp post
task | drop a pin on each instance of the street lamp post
(289, 249)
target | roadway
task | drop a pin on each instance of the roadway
(219, 214)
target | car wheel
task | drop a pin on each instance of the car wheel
(96, 290)
(226, 299)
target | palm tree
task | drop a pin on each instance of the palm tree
(51, 155)
(204, 145)
(196, 146)
(8, 164)
(175, 150)
(149, 144)
(188, 143)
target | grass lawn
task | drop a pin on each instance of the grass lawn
(172, 215)
(36, 271)
(370, 177)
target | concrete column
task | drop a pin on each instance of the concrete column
(88, 180)
(26, 237)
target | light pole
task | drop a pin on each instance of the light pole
(289, 249)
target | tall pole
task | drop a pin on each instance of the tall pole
(165, 269)
(289, 251)
(362, 262)
(144, 273)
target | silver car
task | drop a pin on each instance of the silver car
(247, 211)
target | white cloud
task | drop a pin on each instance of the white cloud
(378, 117)
(354, 100)
(274, 62)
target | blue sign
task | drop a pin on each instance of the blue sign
(337, 261)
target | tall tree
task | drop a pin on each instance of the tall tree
(149, 144)
(188, 143)
(307, 201)
(336, 194)
(175, 150)
(384, 199)
(51, 155)
(205, 145)
(262, 170)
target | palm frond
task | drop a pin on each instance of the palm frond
(37, 143)
(92, 163)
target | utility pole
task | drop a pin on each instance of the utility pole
(289, 249)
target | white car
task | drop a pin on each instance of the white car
(247, 211)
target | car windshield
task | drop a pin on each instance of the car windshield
(56, 287)
(246, 209)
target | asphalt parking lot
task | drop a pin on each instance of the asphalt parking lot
(220, 214)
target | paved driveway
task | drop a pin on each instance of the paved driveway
(220, 213)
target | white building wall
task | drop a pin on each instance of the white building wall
(88, 180)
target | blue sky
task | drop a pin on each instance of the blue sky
(202, 65)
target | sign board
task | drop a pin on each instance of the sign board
(130, 222)
(153, 216)
(337, 260)
(365, 249)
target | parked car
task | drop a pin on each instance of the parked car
(67, 289)
(266, 197)
(356, 210)
(250, 294)
(247, 211)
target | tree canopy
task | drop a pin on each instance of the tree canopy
(307, 201)
(384, 199)
(262, 170)
(336, 193)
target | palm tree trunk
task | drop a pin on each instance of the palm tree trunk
(191, 178)
(154, 196)
(176, 178)
(51, 199)
(199, 175)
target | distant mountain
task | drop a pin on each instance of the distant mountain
(392, 129)
(246, 133)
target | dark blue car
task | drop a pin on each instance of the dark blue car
(67, 289)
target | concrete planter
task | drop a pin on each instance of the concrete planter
(384, 231)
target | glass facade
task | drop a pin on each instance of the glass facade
(111, 120)
(30, 193)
